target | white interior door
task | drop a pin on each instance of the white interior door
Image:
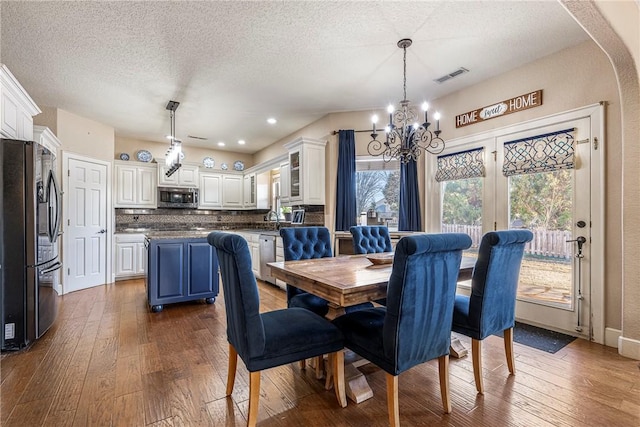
(86, 237)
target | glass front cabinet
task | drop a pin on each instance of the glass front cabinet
(306, 171)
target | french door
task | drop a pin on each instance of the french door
(559, 276)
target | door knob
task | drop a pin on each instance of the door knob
(102, 231)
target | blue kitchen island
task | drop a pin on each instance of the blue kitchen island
(181, 266)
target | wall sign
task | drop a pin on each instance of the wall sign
(513, 105)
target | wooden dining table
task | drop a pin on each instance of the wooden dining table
(350, 280)
(345, 280)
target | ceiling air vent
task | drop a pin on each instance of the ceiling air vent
(451, 75)
(201, 138)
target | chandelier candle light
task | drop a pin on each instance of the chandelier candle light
(406, 138)
(172, 158)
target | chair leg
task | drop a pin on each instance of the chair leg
(508, 349)
(443, 368)
(231, 372)
(254, 396)
(392, 400)
(476, 353)
(338, 377)
(319, 367)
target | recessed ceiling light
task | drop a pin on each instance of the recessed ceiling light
(272, 121)
(221, 144)
(241, 141)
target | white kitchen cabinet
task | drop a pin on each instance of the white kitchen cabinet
(135, 185)
(210, 196)
(43, 136)
(249, 191)
(306, 171)
(263, 190)
(232, 191)
(280, 257)
(16, 108)
(186, 176)
(285, 192)
(253, 242)
(255, 256)
(130, 256)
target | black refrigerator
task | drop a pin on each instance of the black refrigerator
(29, 256)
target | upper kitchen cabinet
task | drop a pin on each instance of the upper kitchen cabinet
(43, 136)
(306, 171)
(210, 190)
(285, 193)
(16, 108)
(249, 191)
(232, 191)
(186, 176)
(135, 185)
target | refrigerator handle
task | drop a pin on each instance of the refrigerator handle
(54, 211)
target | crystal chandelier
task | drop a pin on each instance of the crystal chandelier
(406, 139)
(174, 153)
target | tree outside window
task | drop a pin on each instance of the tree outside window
(378, 191)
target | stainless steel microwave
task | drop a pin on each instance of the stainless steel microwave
(182, 198)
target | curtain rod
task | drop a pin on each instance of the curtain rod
(335, 132)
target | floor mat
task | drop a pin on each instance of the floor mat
(542, 339)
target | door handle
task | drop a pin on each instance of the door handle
(580, 240)
(104, 230)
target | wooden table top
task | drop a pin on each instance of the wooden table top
(344, 280)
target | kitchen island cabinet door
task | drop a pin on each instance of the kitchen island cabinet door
(181, 270)
(202, 271)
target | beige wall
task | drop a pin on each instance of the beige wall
(616, 28)
(192, 154)
(48, 118)
(85, 137)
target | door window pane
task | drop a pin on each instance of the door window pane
(543, 203)
(462, 209)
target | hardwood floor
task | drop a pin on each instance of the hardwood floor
(109, 361)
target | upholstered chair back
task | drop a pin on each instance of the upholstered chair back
(305, 243)
(420, 296)
(371, 239)
(245, 330)
(495, 282)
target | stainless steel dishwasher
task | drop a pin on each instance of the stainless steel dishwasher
(267, 254)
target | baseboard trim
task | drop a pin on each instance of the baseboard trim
(628, 347)
(611, 337)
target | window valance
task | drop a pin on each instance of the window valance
(461, 165)
(543, 153)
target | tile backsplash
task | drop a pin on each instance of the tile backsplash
(131, 220)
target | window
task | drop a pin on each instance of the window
(378, 190)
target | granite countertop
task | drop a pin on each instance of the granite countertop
(190, 234)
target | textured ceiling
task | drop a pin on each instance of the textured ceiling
(233, 64)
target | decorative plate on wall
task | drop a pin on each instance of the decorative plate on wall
(124, 156)
(208, 162)
(224, 167)
(238, 165)
(144, 156)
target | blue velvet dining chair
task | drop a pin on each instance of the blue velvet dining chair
(370, 239)
(414, 326)
(490, 309)
(308, 243)
(267, 340)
